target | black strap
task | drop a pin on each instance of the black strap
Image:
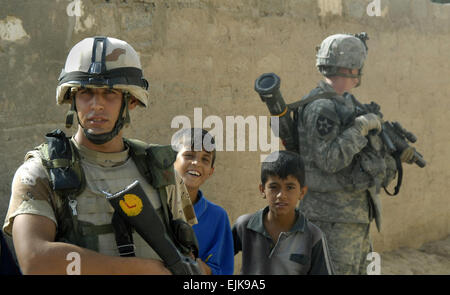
(302, 102)
(125, 75)
(124, 236)
(399, 178)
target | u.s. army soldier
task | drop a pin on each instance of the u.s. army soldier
(346, 160)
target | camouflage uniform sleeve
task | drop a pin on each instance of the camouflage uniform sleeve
(334, 147)
(180, 202)
(30, 193)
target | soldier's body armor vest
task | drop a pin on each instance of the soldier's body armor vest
(83, 213)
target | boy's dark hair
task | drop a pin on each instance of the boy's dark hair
(283, 164)
(197, 139)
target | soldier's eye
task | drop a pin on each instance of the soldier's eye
(111, 91)
(85, 91)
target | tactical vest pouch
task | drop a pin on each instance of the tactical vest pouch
(75, 233)
(373, 165)
(185, 236)
(58, 158)
(153, 161)
(162, 157)
(359, 179)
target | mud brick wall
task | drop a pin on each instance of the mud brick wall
(207, 54)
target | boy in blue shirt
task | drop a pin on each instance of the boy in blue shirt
(278, 239)
(195, 163)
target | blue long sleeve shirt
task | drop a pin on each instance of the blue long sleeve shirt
(214, 236)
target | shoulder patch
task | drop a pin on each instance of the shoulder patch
(324, 125)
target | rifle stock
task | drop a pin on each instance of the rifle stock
(133, 206)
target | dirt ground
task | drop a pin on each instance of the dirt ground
(431, 258)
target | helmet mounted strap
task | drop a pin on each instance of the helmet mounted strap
(124, 118)
(98, 67)
(72, 111)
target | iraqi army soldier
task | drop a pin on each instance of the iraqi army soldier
(58, 205)
(346, 161)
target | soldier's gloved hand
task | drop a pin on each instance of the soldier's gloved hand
(407, 155)
(368, 122)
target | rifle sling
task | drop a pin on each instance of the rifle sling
(400, 176)
(302, 102)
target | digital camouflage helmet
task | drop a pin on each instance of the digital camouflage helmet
(102, 62)
(342, 51)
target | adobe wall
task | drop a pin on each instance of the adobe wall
(207, 54)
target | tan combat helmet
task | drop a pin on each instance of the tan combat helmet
(102, 62)
(342, 51)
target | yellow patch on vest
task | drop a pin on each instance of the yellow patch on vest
(131, 204)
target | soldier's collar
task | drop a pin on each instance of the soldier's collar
(99, 158)
(327, 88)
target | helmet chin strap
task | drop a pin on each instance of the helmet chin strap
(103, 138)
(99, 139)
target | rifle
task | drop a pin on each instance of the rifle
(135, 209)
(394, 136)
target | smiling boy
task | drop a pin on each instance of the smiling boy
(195, 163)
(278, 239)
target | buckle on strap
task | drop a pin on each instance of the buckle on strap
(127, 250)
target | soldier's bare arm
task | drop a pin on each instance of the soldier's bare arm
(37, 253)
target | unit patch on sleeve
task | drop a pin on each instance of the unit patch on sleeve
(324, 125)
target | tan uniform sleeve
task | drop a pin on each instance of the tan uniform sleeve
(180, 202)
(30, 193)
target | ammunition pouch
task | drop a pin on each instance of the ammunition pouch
(60, 159)
(185, 236)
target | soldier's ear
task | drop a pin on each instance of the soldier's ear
(132, 102)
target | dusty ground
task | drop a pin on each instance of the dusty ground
(432, 258)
